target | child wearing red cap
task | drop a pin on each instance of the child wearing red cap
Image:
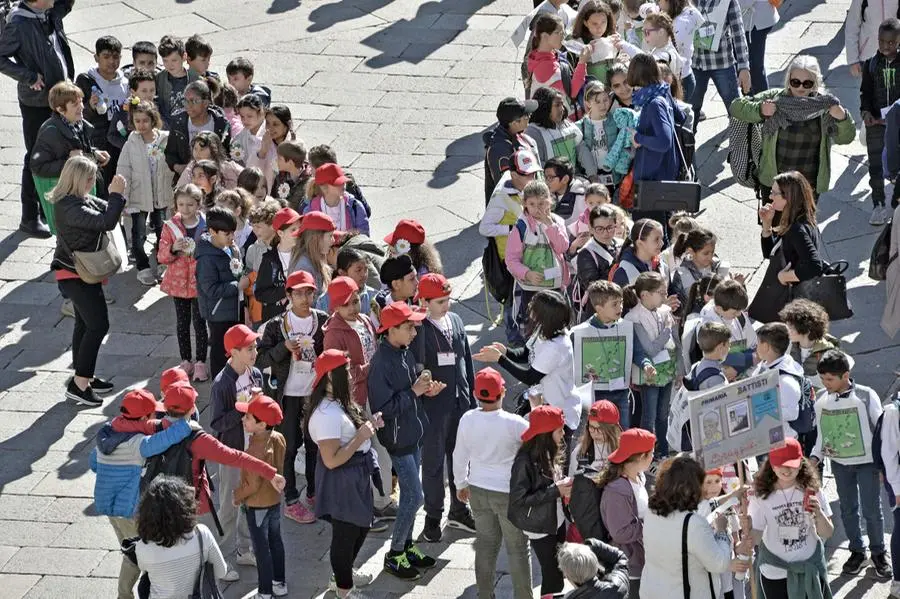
(487, 441)
(408, 237)
(442, 347)
(791, 520)
(329, 196)
(289, 346)
(599, 439)
(352, 263)
(314, 240)
(277, 263)
(536, 488)
(262, 502)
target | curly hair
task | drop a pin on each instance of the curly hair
(425, 254)
(679, 486)
(807, 317)
(765, 480)
(167, 512)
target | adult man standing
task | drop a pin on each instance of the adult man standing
(35, 52)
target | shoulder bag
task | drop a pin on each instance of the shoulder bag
(829, 290)
(206, 586)
(97, 266)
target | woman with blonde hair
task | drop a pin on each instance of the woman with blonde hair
(82, 221)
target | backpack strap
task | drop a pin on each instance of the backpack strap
(685, 579)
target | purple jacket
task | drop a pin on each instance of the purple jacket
(618, 509)
(354, 212)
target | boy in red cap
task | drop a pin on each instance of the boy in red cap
(396, 392)
(329, 196)
(442, 348)
(289, 346)
(262, 503)
(234, 383)
(486, 444)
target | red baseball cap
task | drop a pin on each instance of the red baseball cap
(180, 397)
(263, 408)
(543, 419)
(138, 403)
(340, 290)
(171, 376)
(284, 218)
(633, 441)
(407, 229)
(315, 221)
(791, 455)
(716, 472)
(489, 385)
(327, 361)
(238, 337)
(525, 162)
(433, 286)
(397, 313)
(604, 411)
(300, 279)
(330, 174)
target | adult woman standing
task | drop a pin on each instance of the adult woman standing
(800, 122)
(81, 222)
(670, 516)
(793, 241)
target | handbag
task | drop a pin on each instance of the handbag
(497, 277)
(829, 290)
(206, 586)
(97, 266)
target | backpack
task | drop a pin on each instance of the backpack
(686, 144)
(679, 431)
(584, 506)
(745, 151)
(579, 296)
(630, 270)
(881, 258)
(497, 278)
(694, 353)
(806, 419)
(876, 439)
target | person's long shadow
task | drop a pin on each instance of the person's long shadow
(328, 15)
(282, 6)
(459, 155)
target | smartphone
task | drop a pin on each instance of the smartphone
(809, 493)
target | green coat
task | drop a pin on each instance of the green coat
(748, 110)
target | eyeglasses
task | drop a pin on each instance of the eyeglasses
(805, 84)
(549, 177)
(595, 428)
(194, 101)
(607, 229)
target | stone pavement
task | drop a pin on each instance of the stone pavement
(402, 89)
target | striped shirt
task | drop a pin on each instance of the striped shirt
(173, 570)
(733, 45)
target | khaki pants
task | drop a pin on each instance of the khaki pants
(489, 511)
(237, 535)
(129, 573)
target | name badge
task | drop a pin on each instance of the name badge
(708, 30)
(446, 358)
(789, 533)
(661, 357)
(301, 368)
(552, 273)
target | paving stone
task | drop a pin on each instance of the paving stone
(185, 25)
(101, 17)
(52, 587)
(29, 534)
(428, 101)
(16, 586)
(72, 509)
(406, 83)
(110, 565)
(22, 507)
(30, 293)
(87, 534)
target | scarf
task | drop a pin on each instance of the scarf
(643, 96)
(793, 109)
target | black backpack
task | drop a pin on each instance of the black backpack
(876, 439)
(881, 257)
(584, 506)
(176, 461)
(497, 278)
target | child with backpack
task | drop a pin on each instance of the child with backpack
(847, 414)
(807, 324)
(695, 253)
(596, 257)
(599, 438)
(331, 197)
(640, 252)
(548, 65)
(861, 30)
(277, 263)
(729, 307)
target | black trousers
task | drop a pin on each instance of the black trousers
(346, 541)
(32, 119)
(187, 310)
(292, 429)
(91, 323)
(545, 548)
(217, 345)
(139, 235)
(438, 444)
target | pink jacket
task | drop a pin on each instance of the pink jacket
(180, 278)
(556, 235)
(228, 174)
(545, 70)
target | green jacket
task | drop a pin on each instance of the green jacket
(748, 110)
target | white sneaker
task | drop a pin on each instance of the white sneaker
(279, 589)
(879, 216)
(146, 277)
(360, 579)
(231, 576)
(246, 559)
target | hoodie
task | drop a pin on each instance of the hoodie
(339, 334)
(499, 146)
(551, 69)
(619, 512)
(225, 420)
(392, 373)
(217, 284)
(743, 336)
(112, 91)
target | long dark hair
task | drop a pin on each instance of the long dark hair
(545, 97)
(801, 204)
(695, 240)
(677, 6)
(705, 286)
(550, 312)
(679, 486)
(612, 471)
(425, 254)
(546, 453)
(765, 480)
(167, 512)
(587, 10)
(341, 392)
(646, 281)
(640, 230)
(545, 23)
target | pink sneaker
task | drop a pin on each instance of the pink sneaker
(186, 366)
(200, 372)
(300, 513)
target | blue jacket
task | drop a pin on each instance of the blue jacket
(225, 420)
(392, 373)
(459, 396)
(620, 276)
(657, 157)
(217, 287)
(118, 459)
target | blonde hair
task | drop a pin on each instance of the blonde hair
(76, 174)
(62, 94)
(805, 62)
(309, 243)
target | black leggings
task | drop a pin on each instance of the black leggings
(217, 357)
(775, 589)
(292, 429)
(187, 309)
(346, 541)
(552, 580)
(91, 323)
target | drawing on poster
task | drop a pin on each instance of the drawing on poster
(841, 433)
(712, 427)
(603, 359)
(738, 418)
(765, 404)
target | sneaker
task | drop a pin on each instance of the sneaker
(100, 385)
(462, 521)
(231, 576)
(360, 579)
(246, 559)
(279, 589)
(187, 366)
(418, 559)
(160, 271)
(895, 590)
(379, 526)
(67, 308)
(146, 277)
(259, 595)
(879, 216)
(299, 513)
(854, 563)
(201, 372)
(882, 567)
(396, 563)
(432, 531)
(388, 512)
(85, 398)
(701, 117)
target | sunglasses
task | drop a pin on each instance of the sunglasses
(805, 84)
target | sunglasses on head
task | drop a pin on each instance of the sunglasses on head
(805, 84)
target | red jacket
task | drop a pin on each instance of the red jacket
(340, 335)
(180, 279)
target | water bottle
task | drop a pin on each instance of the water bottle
(102, 106)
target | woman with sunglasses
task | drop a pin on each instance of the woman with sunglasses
(199, 115)
(799, 124)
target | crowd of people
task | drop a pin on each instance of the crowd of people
(325, 343)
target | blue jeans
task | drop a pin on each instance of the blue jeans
(655, 415)
(687, 86)
(411, 497)
(265, 534)
(854, 482)
(756, 42)
(726, 84)
(622, 400)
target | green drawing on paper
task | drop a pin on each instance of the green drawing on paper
(602, 359)
(841, 434)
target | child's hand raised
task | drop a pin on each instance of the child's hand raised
(118, 185)
(586, 53)
(673, 302)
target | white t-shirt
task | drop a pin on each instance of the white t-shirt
(641, 497)
(366, 339)
(301, 374)
(173, 570)
(555, 358)
(242, 388)
(601, 455)
(330, 421)
(337, 214)
(788, 531)
(285, 258)
(486, 446)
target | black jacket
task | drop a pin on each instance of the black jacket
(532, 497)
(100, 122)
(273, 354)
(500, 145)
(225, 420)
(55, 139)
(26, 51)
(269, 286)
(80, 222)
(614, 583)
(217, 287)
(392, 373)
(178, 150)
(800, 247)
(458, 397)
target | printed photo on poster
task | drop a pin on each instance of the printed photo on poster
(602, 359)
(711, 427)
(738, 418)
